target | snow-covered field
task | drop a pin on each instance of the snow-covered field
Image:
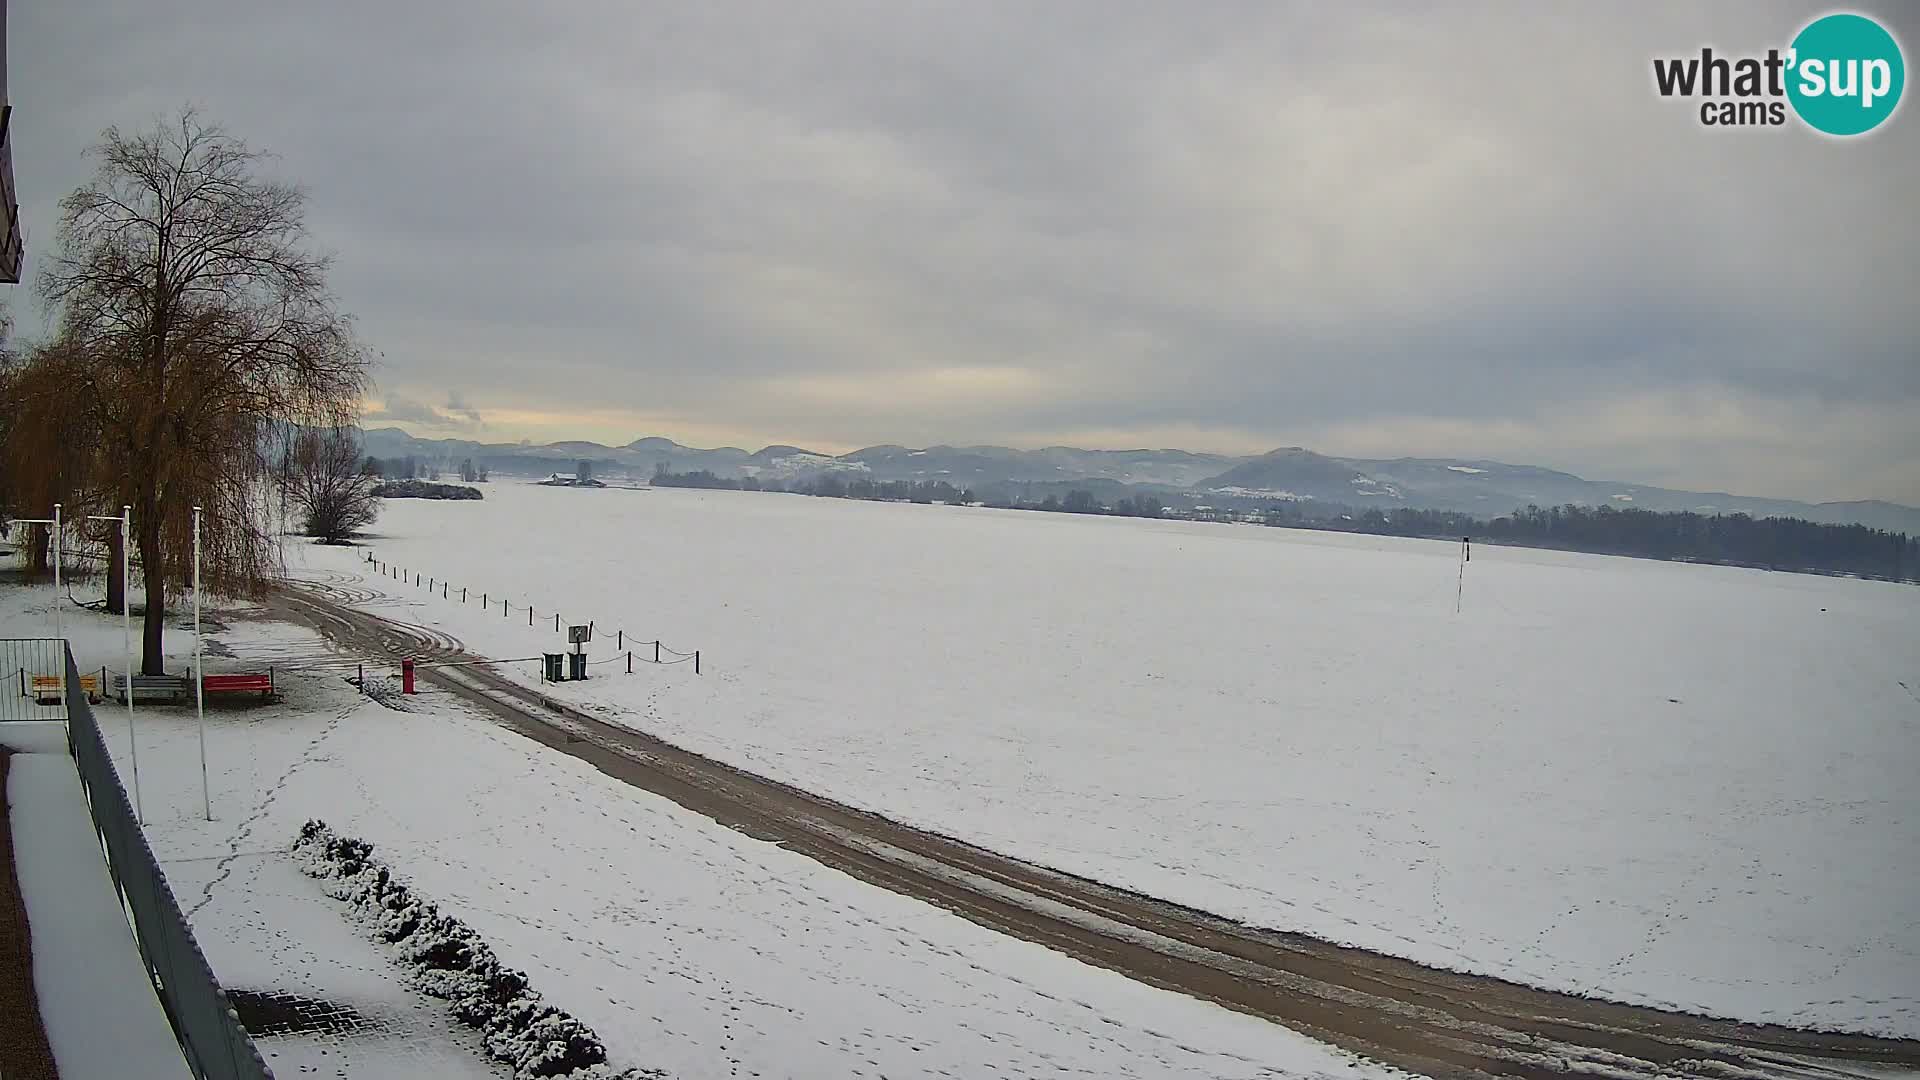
(687, 946)
(1679, 785)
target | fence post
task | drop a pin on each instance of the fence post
(463, 594)
(406, 675)
(619, 639)
(629, 661)
(696, 661)
(529, 614)
(556, 622)
(443, 590)
(656, 651)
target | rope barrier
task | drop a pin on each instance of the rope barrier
(507, 607)
(304, 663)
(474, 663)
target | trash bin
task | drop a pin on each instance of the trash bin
(551, 666)
(576, 665)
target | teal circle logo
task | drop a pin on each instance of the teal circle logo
(1845, 74)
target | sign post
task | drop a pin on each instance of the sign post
(578, 636)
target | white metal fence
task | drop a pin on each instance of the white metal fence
(211, 1036)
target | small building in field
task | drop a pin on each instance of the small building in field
(570, 480)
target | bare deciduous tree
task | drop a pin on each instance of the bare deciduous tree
(330, 485)
(185, 281)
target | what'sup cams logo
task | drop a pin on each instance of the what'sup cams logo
(1841, 75)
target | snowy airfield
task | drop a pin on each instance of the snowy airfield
(1675, 785)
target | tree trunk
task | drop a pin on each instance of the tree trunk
(116, 584)
(42, 540)
(153, 660)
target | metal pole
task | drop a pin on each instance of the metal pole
(58, 595)
(199, 674)
(1460, 583)
(126, 634)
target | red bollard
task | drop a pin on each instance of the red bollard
(406, 676)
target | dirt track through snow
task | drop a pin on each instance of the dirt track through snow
(1422, 1019)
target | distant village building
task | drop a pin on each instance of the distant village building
(570, 480)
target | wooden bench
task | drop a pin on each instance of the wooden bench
(151, 687)
(52, 689)
(239, 683)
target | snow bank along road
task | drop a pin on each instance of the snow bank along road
(1422, 1019)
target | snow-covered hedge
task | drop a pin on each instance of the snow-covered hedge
(449, 961)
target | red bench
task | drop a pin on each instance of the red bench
(239, 684)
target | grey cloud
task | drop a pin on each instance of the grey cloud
(458, 410)
(1242, 223)
(399, 409)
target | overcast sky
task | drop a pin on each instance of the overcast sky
(1370, 230)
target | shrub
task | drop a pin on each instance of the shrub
(447, 960)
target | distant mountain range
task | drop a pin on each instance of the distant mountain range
(1485, 488)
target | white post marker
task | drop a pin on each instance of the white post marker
(199, 676)
(126, 635)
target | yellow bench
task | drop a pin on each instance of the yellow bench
(52, 689)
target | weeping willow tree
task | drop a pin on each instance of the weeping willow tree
(195, 329)
(51, 451)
